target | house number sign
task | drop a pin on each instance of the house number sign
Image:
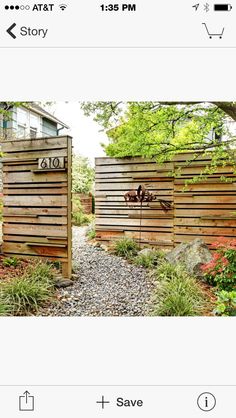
(51, 163)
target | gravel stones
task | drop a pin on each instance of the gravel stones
(104, 285)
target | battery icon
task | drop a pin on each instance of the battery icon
(222, 7)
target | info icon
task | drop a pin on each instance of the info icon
(206, 401)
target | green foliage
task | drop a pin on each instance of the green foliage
(10, 262)
(26, 293)
(221, 270)
(40, 272)
(226, 303)
(79, 218)
(176, 293)
(4, 308)
(82, 175)
(91, 233)
(149, 260)
(161, 130)
(126, 247)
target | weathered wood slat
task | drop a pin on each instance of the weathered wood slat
(119, 195)
(123, 168)
(41, 240)
(124, 228)
(208, 239)
(35, 230)
(61, 211)
(205, 199)
(28, 191)
(43, 201)
(198, 212)
(34, 219)
(29, 177)
(30, 155)
(133, 222)
(134, 185)
(34, 144)
(199, 230)
(36, 185)
(40, 250)
(204, 222)
(150, 236)
(206, 187)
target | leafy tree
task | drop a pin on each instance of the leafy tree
(82, 175)
(160, 130)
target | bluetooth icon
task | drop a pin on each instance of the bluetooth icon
(206, 7)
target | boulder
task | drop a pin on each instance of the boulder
(146, 252)
(192, 255)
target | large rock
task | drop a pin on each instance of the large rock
(192, 255)
(146, 252)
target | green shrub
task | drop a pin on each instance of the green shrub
(177, 294)
(221, 270)
(91, 233)
(25, 294)
(149, 260)
(226, 303)
(79, 218)
(126, 247)
(10, 262)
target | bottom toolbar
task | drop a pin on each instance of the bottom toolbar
(116, 401)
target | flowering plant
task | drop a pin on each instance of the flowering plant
(221, 270)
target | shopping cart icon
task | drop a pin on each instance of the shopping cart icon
(211, 35)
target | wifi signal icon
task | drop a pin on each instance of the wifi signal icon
(63, 6)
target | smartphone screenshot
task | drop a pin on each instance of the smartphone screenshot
(117, 209)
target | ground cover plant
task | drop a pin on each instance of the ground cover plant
(150, 258)
(177, 293)
(91, 233)
(126, 247)
(25, 286)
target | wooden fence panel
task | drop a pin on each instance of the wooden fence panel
(37, 199)
(115, 218)
(204, 210)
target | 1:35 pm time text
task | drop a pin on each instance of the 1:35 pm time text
(118, 7)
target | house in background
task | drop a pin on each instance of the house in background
(29, 121)
(25, 122)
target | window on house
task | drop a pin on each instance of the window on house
(33, 132)
(21, 131)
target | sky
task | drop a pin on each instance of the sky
(86, 133)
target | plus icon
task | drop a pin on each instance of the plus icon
(103, 402)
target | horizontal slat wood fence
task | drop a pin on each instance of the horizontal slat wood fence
(205, 210)
(37, 199)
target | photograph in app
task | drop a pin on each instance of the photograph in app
(118, 209)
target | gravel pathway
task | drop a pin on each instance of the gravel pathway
(105, 285)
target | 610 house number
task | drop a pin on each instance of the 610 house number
(51, 163)
(117, 7)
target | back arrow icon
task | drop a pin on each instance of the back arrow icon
(9, 31)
